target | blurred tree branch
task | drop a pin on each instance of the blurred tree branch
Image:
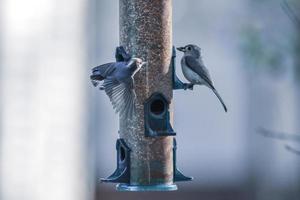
(292, 149)
(278, 135)
(290, 13)
(281, 136)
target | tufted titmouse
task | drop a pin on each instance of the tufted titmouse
(194, 69)
(118, 83)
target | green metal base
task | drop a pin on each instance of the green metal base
(145, 188)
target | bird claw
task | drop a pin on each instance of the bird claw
(189, 86)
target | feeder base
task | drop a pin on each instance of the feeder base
(145, 188)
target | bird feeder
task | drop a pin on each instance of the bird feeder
(146, 148)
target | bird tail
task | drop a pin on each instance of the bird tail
(100, 72)
(220, 99)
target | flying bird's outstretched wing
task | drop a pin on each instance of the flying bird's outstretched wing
(195, 66)
(122, 96)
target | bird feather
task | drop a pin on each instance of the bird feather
(122, 96)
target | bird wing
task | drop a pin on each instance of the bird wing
(194, 65)
(122, 96)
(100, 72)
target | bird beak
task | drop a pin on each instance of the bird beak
(181, 49)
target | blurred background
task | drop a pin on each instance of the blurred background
(58, 133)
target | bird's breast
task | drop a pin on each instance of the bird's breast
(123, 75)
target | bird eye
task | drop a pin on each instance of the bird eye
(189, 48)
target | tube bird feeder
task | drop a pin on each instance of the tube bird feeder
(146, 148)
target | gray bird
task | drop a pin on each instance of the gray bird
(118, 83)
(194, 69)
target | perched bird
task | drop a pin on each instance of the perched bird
(118, 83)
(194, 69)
